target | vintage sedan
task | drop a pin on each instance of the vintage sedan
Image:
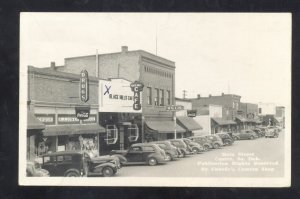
(193, 146)
(215, 141)
(79, 163)
(244, 135)
(227, 140)
(170, 150)
(183, 148)
(141, 153)
(202, 141)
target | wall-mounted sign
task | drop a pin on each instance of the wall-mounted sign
(84, 86)
(91, 119)
(67, 119)
(136, 87)
(191, 113)
(46, 118)
(174, 108)
(82, 112)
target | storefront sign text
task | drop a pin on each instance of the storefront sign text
(91, 119)
(84, 86)
(82, 113)
(136, 87)
(174, 108)
(67, 119)
(46, 118)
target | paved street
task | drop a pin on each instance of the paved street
(262, 157)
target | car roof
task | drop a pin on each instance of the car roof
(64, 153)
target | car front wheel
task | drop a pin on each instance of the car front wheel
(152, 161)
(235, 138)
(195, 150)
(72, 174)
(107, 171)
(206, 148)
(216, 146)
(251, 137)
(169, 157)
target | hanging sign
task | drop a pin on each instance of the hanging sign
(174, 108)
(137, 87)
(82, 112)
(191, 113)
(84, 86)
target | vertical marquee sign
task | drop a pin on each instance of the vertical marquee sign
(84, 86)
(136, 87)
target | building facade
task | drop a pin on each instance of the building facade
(157, 75)
(70, 123)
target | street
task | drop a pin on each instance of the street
(262, 157)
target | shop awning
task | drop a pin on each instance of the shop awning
(189, 123)
(221, 121)
(74, 129)
(241, 119)
(257, 121)
(164, 126)
(33, 122)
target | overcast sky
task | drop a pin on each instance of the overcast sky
(244, 54)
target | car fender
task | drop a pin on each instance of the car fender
(122, 159)
(72, 170)
(99, 168)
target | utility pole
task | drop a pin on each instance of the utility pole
(184, 94)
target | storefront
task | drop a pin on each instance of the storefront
(117, 114)
(221, 125)
(34, 135)
(242, 123)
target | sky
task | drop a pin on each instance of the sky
(247, 54)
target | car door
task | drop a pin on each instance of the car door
(147, 151)
(243, 135)
(49, 163)
(134, 154)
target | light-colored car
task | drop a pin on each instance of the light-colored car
(244, 135)
(272, 132)
(170, 150)
(33, 169)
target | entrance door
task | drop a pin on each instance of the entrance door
(122, 137)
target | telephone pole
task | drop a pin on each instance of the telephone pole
(184, 94)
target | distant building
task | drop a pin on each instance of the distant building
(280, 115)
(266, 109)
(229, 102)
(248, 110)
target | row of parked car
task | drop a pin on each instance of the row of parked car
(85, 163)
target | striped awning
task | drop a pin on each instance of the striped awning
(33, 123)
(164, 126)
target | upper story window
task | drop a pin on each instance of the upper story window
(156, 97)
(168, 98)
(161, 97)
(149, 95)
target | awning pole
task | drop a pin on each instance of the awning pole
(175, 125)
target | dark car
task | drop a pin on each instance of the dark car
(227, 140)
(183, 148)
(258, 132)
(170, 150)
(202, 141)
(194, 147)
(79, 163)
(215, 141)
(245, 135)
(141, 153)
(33, 169)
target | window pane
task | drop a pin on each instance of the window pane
(149, 95)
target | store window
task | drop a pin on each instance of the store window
(156, 97)
(111, 134)
(149, 95)
(133, 132)
(168, 98)
(161, 97)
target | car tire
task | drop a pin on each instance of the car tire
(152, 161)
(235, 138)
(216, 146)
(72, 173)
(227, 142)
(169, 157)
(206, 147)
(107, 171)
(195, 150)
(251, 137)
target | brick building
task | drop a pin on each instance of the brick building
(53, 99)
(229, 102)
(156, 73)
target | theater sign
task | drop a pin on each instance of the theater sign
(116, 95)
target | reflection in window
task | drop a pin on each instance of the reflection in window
(111, 134)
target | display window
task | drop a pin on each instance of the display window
(133, 132)
(111, 134)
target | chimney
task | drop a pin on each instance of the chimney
(52, 65)
(198, 96)
(124, 49)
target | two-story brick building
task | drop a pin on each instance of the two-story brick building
(54, 100)
(157, 75)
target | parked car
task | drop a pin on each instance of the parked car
(33, 169)
(203, 141)
(181, 146)
(141, 153)
(79, 163)
(259, 132)
(194, 147)
(272, 132)
(170, 150)
(244, 135)
(263, 130)
(226, 139)
(215, 141)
